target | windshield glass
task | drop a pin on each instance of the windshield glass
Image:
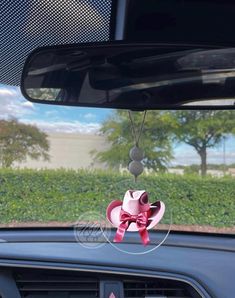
(57, 163)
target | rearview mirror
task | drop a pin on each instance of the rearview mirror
(131, 76)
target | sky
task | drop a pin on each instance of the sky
(51, 118)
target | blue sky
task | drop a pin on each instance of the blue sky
(50, 118)
(87, 120)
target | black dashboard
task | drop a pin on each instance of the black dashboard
(205, 263)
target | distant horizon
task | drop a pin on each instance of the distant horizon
(73, 120)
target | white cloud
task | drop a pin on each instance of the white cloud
(89, 116)
(7, 92)
(28, 104)
(51, 113)
(12, 104)
(65, 126)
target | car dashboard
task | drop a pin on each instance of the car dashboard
(50, 263)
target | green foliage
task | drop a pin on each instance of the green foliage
(43, 93)
(199, 129)
(203, 129)
(18, 140)
(155, 140)
(63, 195)
(192, 169)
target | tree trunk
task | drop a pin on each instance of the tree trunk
(203, 155)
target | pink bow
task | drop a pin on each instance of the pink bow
(126, 219)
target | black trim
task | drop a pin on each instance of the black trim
(112, 21)
(127, 16)
(146, 19)
(12, 267)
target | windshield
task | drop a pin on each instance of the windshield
(59, 163)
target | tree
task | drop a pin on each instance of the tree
(155, 140)
(203, 129)
(18, 140)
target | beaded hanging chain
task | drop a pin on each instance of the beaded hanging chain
(136, 154)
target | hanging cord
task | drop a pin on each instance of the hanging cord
(135, 133)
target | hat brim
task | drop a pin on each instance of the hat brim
(156, 211)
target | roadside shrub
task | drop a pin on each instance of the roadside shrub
(62, 195)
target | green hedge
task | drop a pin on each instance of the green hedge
(62, 195)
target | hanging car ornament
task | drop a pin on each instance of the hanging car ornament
(136, 153)
(134, 214)
(136, 167)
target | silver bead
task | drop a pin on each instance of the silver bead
(136, 168)
(136, 154)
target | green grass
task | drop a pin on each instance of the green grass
(60, 195)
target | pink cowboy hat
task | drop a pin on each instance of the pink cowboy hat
(134, 203)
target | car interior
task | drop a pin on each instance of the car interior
(117, 149)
